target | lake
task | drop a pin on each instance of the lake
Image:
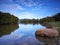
(23, 34)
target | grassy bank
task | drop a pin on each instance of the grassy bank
(56, 24)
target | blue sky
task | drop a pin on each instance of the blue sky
(30, 8)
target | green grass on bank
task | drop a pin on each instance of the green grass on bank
(57, 23)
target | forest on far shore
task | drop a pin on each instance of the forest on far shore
(53, 18)
(7, 18)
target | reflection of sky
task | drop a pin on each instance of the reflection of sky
(30, 8)
(23, 34)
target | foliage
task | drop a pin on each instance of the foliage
(45, 21)
(6, 18)
(29, 21)
(56, 17)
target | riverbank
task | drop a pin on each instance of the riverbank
(56, 24)
(53, 24)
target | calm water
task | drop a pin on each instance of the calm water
(22, 34)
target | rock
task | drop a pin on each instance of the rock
(40, 32)
(49, 32)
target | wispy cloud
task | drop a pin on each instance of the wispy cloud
(6, 1)
(11, 6)
(28, 15)
(30, 3)
(18, 6)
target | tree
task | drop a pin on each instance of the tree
(7, 18)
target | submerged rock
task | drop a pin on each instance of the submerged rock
(58, 42)
(49, 32)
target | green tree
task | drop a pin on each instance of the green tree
(7, 18)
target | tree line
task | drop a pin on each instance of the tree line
(7, 18)
(55, 17)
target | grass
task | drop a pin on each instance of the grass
(57, 23)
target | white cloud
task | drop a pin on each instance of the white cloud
(18, 6)
(30, 3)
(11, 7)
(27, 15)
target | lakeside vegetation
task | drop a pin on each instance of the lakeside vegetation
(29, 21)
(47, 21)
(56, 24)
(7, 18)
(53, 18)
(43, 21)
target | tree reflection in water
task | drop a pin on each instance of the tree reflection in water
(7, 29)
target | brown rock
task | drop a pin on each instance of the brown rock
(49, 32)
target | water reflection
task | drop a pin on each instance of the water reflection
(47, 41)
(30, 23)
(7, 29)
(24, 35)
